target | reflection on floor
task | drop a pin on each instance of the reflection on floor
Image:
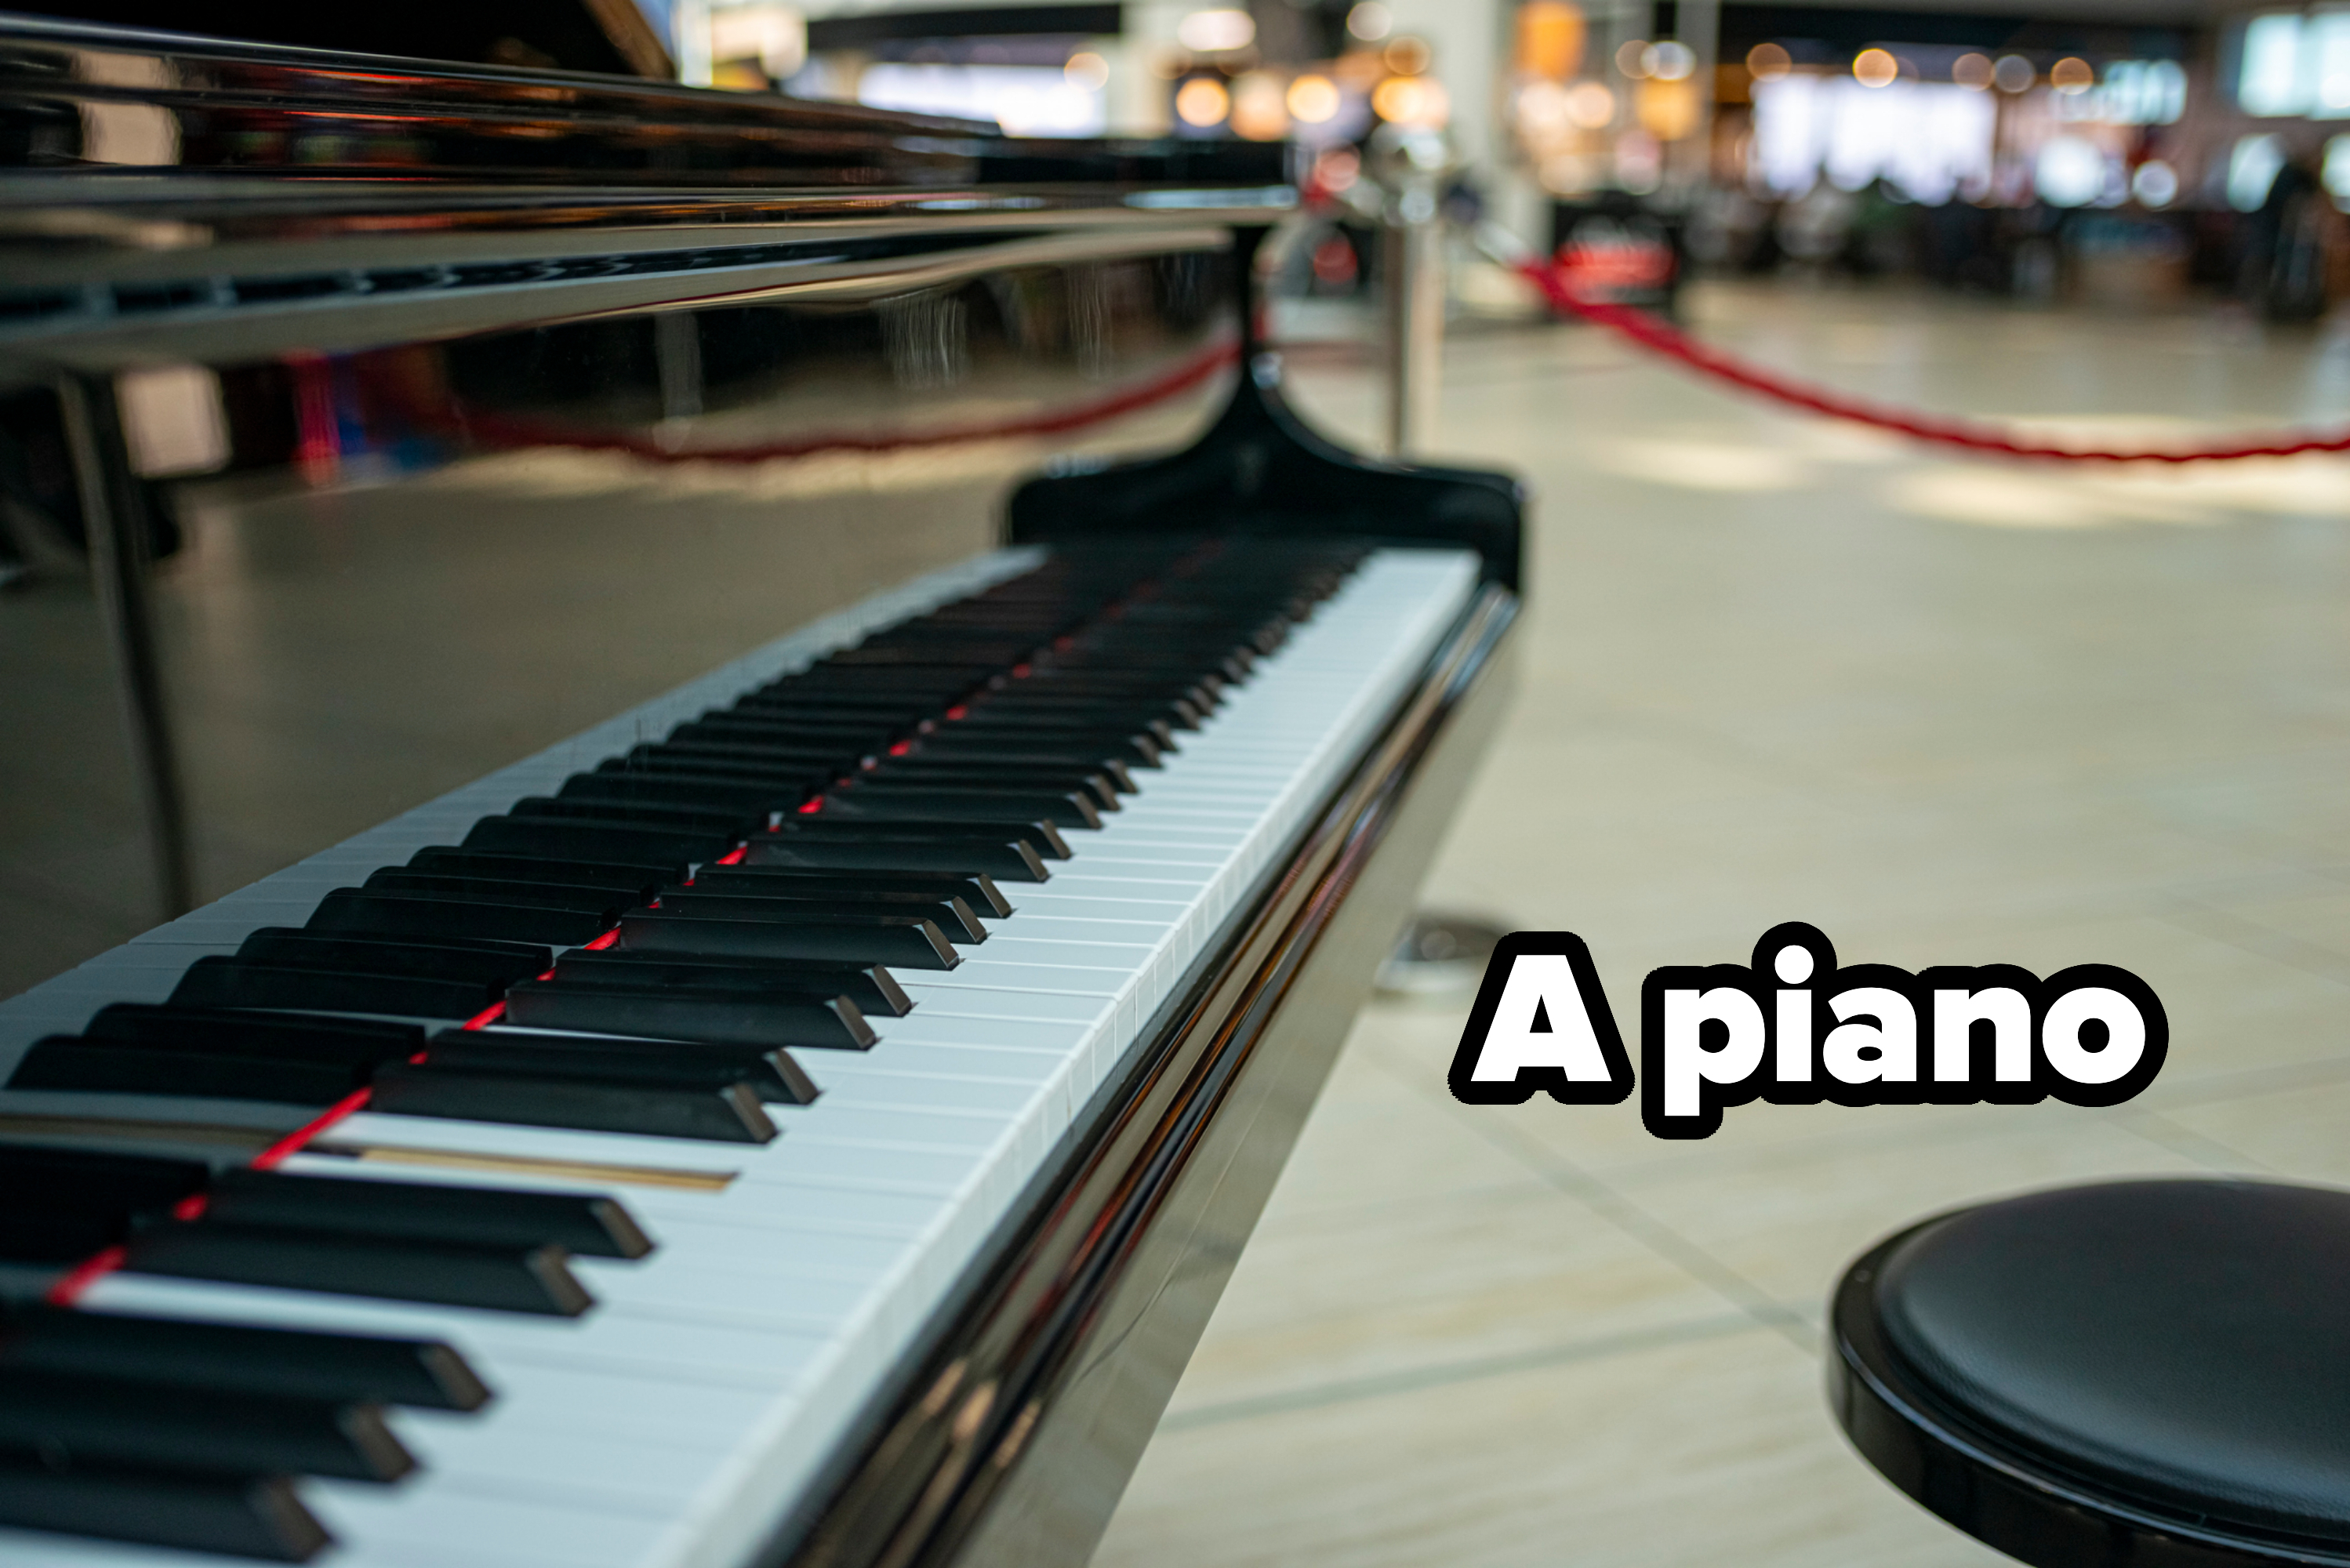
(1949, 711)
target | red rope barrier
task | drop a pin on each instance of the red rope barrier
(1971, 435)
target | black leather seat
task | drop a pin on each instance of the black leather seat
(2154, 1373)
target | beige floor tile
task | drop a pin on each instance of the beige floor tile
(1778, 669)
(1411, 1283)
(1718, 1450)
(1372, 1139)
(2319, 920)
(2297, 1134)
(1790, 1226)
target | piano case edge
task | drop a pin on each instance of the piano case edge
(1011, 1437)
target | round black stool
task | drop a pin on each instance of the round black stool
(2150, 1374)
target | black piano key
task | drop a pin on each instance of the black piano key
(945, 772)
(1001, 856)
(750, 798)
(1053, 729)
(768, 746)
(1203, 695)
(727, 1115)
(483, 960)
(115, 1067)
(557, 839)
(60, 1205)
(959, 750)
(217, 981)
(875, 666)
(915, 770)
(534, 1280)
(233, 1358)
(582, 1223)
(621, 813)
(1043, 765)
(353, 909)
(237, 1516)
(1023, 703)
(450, 861)
(399, 879)
(758, 730)
(914, 644)
(746, 1016)
(874, 989)
(890, 800)
(1040, 834)
(768, 1071)
(951, 915)
(731, 772)
(74, 1416)
(848, 699)
(308, 1036)
(900, 941)
(837, 709)
(778, 764)
(1136, 751)
(980, 892)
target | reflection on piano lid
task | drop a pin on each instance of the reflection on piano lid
(604, 36)
(808, 1115)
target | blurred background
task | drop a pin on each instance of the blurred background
(2122, 152)
(1775, 668)
(2127, 152)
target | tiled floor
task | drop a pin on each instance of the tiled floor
(1949, 711)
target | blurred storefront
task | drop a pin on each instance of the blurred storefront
(2134, 160)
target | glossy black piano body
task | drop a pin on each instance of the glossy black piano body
(365, 426)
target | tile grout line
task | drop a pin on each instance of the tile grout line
(1346, 1391)
(2248, 936)
(1572, 1180)
(2189, 1143)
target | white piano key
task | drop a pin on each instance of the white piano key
(553, 1144)
(1014, 1063)
(602, 1359)
(1062, 951)
(922, 1027)
(1069, 906)
(433, 1513)
(892, 1091)
(939, 1002)
(772, 1304)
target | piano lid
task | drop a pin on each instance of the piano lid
(82, 96)
(164, 196)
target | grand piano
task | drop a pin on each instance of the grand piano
(697, 787)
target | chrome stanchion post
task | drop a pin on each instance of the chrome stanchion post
(1411, 167)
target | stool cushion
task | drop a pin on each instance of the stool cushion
(2187, 1340)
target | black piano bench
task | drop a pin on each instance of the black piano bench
(2132, 1375)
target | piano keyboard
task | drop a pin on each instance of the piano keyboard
(686, 1066)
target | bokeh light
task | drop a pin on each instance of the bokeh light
(1670, 61)
(1215, 32)
(1313, 99)
(1590, 105)
(1370, 21)
(1202, 101)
